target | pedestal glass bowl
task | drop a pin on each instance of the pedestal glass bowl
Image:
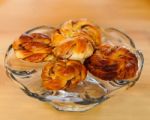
(92, 91)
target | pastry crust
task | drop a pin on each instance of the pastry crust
(62, 74)
(110, 63)
(33, 48)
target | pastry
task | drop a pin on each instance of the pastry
(61, 74)
(77, 49)
(73, 28)
(112, 63)
(33, 48)
(75, 40)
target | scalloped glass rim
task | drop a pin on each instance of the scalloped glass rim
(65, 97)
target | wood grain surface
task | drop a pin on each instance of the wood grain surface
(130, 16)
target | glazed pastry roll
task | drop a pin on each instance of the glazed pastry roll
(73, 28)
(33, 48)
(62, 74)
(77, 49)
(112, 63)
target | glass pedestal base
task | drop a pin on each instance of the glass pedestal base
(72, 107)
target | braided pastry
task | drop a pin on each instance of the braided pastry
(110, 63)
(74, 28)
(62, 74)
(77, 49)
(33, 48)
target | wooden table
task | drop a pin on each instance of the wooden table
(131, 16)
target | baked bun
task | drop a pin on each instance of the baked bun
(112, 63)
(73, 28)
(77, 49)
(33, 48)
(62, 74)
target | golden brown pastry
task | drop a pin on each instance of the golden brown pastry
(33, 48)
(73, 28)
(110, 63)
(77, 49)
(75, 40)
(62, 74)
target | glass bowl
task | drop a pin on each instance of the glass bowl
(89, 93)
